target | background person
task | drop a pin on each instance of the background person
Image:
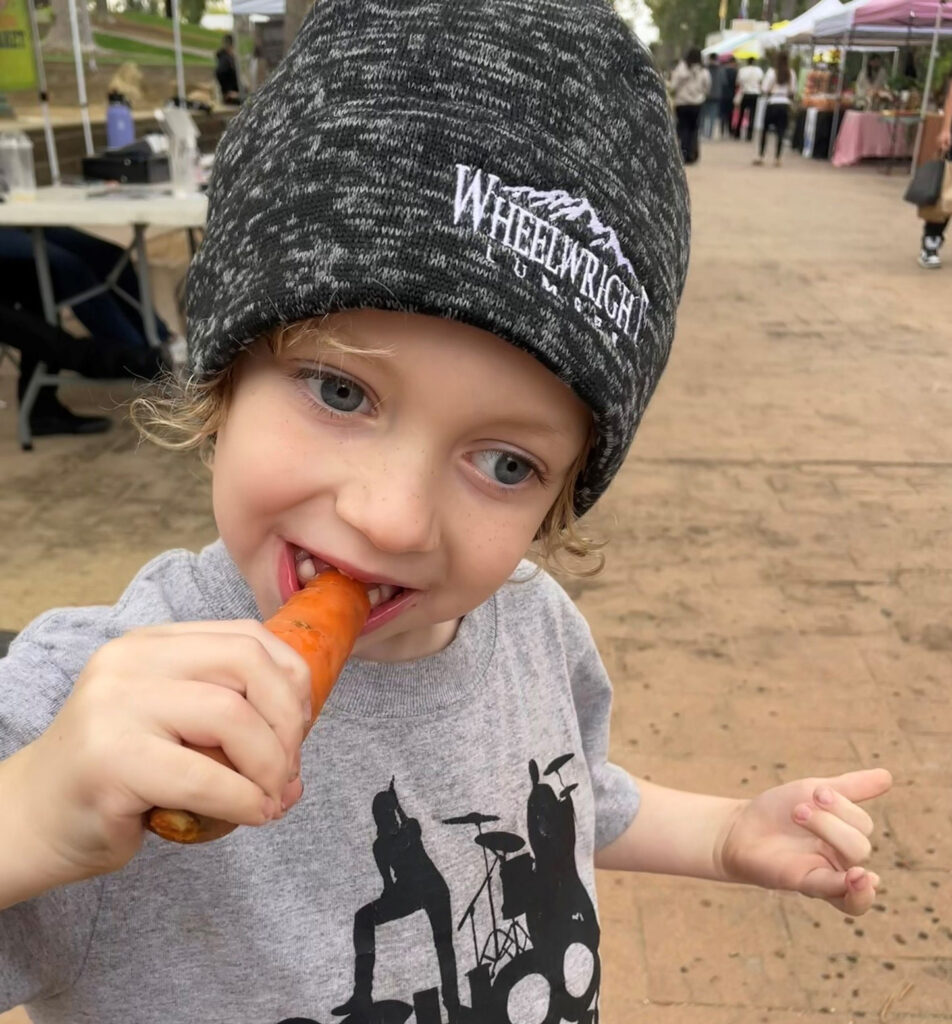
(226, 71)
(711, 109)
(727, 97)
(689, 85)
(871, 78)
(780, 87)
(933, 232)
(78, 262)
(750, 79)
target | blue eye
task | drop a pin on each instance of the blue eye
(341, 394)
(336, 393)
(504, 468)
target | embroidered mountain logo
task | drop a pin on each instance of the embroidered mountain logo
(561, 234)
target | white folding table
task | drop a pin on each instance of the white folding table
(138, 207)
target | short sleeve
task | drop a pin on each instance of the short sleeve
(616, 792)
(43, 941)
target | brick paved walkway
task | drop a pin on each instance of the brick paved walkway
(776, 601)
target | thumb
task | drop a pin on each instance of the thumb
(862, 785)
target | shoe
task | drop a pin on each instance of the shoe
(758, 161)
(67, 422)
(777, 162)
(929, 258)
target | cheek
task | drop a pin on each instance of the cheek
(491, 549)
(256, 475)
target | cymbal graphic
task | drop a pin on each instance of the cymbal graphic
(473, 818)
(500, 842)
(555, 765)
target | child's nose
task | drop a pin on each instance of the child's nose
(395, 514)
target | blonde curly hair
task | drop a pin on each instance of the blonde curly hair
(186, 415)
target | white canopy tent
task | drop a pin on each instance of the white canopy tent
(800, 30)
(833, 27)
(732, 43)
(274, 8)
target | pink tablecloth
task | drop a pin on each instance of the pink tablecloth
(865, 134)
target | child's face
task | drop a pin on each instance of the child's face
(430, 468)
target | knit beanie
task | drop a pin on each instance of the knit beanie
(510, 164)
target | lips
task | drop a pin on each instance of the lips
(387, 597)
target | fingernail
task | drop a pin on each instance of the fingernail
(824, 795)
(802, 813)
(288, 796)
(856, 881)
(269, 808)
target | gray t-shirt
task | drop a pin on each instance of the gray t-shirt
(441, 856)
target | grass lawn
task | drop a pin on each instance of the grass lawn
(192, 35)
(132, 49)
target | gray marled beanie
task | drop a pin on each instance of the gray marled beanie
(507, 163)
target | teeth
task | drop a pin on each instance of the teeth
(379, 595)
(306, 570)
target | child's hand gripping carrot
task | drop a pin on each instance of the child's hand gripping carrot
(125, 740)
(320, 622)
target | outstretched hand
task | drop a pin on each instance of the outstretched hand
(810, 836)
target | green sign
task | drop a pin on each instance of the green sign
(17, 67)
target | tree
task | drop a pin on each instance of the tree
(191, 11)
(684, 23)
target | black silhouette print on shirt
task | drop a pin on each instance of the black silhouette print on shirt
(411, 882)
(543, 931)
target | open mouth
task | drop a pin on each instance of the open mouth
(387, 600)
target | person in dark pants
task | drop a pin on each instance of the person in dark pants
(750, 78)
(780, 86)
(689, 85)
(933, 234)
(77, 262)
(727, 98)
(226, 71)
(711, 110)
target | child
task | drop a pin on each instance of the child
(445, 246)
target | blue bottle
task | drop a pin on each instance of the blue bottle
(120, 128)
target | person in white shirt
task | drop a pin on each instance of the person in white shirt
(689, 86)
(780, 87)
(749, 81)
(871, 79)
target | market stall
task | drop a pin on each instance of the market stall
(900, 113)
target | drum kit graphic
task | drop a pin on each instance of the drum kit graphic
(542, 936)
(504, 941)
(545, 909)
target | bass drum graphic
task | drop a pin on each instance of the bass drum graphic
(530, 966)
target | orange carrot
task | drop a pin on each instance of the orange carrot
(321, 622)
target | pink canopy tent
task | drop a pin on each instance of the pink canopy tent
(903, 13)
(912, 16)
